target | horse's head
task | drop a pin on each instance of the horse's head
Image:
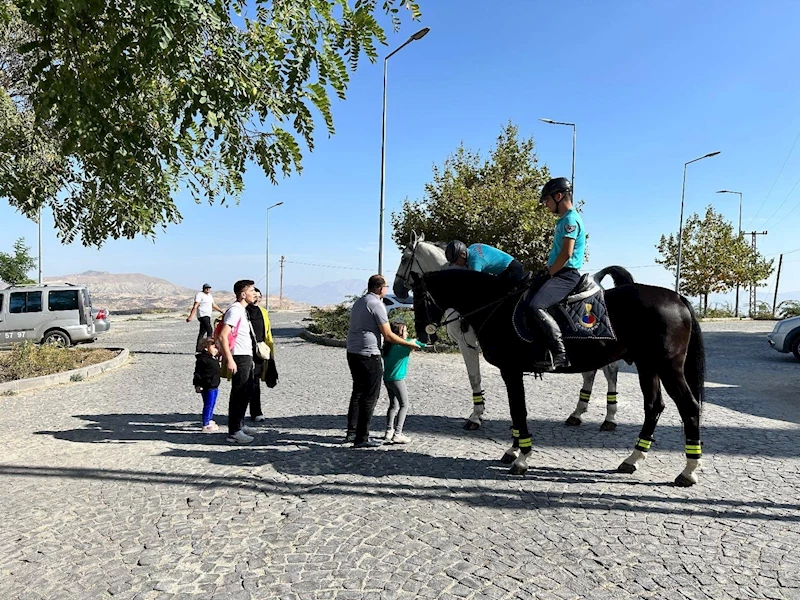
(419, 257)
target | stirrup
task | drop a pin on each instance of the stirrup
(552, 362)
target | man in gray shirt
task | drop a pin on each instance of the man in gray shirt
(369, 323)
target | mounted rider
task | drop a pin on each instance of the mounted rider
(561, 276)
(486, 258)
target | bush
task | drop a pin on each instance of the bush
(763, 311)
(719, 311)
(32, 360)
(788, 308)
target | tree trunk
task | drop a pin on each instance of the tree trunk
(705, 305)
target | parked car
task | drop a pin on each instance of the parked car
(392, 302)
(49, 314)
(785, 337)
(102, 320)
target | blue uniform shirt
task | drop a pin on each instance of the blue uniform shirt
(569, 225)
(488, 259)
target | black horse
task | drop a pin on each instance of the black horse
(656, 329)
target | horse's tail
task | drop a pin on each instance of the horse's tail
(620, 275)
(695, 365)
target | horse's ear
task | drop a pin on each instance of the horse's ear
(421, 237)
(413, 239)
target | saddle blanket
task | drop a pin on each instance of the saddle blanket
(581, 316)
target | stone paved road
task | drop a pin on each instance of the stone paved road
(107, 487)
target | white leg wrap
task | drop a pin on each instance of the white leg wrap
(692, 464)
(611, 412)
(515, 452)
(477, 413)
(582, 407)
(522, 461)
(636, 458)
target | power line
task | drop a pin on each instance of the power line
(782, 203)
(774, 182)
(787, 214)
(327, 266)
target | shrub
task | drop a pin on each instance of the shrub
(32, 360)
(719, 311)
(788, 308)
(763, 311)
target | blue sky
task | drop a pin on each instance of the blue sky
(650, 85)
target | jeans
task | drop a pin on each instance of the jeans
(398, 405)
(241, 390)
(205, 329)
(367, 373)
(209, 401)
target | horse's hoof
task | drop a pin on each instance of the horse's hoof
(517, 470)
(683, 481)
(572, 421)
(608, 426)
(507, 458)
(471, 425)
(626, 468)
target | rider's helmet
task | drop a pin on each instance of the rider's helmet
(554, 186)
(454, 250)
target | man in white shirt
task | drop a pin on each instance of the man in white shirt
(204, 306)
(236, 343)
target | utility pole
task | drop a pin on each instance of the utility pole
(280, 297)
(39, 219)
(753, 284)
(777, 281)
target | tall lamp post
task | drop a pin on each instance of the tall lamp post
(574, 141)
(680, 226)
(417, 36)
(40, 244)
(736, 310)
(267, 278)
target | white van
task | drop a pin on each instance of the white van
(48, 314)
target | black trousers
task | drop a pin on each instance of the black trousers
(241, 391)
(367, 373)
(514, 273)
(205, 329)
(255, 396)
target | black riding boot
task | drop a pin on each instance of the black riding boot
(549, 328)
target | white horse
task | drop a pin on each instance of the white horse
(422, 257)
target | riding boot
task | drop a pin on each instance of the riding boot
(555, 342)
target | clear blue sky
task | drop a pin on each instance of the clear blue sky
(650, 85)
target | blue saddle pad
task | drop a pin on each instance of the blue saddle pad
(580, 317)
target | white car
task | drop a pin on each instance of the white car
(785, 337)
(392, 302)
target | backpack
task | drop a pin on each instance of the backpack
(219, 323)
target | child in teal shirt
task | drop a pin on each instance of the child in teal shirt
(395, 364)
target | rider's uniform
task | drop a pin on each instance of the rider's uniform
(482, 257)
(555, 289)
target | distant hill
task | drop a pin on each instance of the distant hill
(134, 291)
(324, 294)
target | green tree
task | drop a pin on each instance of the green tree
(117, 106)
(713, 258)
(493, 200)
(14, 267)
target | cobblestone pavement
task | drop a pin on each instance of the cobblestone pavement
(108, 488)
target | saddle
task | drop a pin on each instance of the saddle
(582, 315)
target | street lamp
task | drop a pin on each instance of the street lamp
(267, 278)
(574, 140)
(680, 226)
(417, 36)
(39, 219)
(736, 310)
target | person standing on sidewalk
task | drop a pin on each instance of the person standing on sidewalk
(236, 342)
(368, 324)
(263, 333)
(203, 306)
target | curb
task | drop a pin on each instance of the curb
(35, 383)
(321, 339)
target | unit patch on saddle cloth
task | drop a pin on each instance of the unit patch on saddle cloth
(581, 316)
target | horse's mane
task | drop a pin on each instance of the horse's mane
(479, 285)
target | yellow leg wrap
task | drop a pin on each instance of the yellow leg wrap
(643, 445)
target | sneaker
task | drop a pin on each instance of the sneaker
(387, 437)
(249, 430)
(259, 419)
(240, 437)
(370, 443)
(210, 428)
(399, 438)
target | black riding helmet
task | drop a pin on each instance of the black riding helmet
(554, 186)
(455, 249)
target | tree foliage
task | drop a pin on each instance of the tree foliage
(14, 267)
(493, 200)
(713, 258)
(122, 104)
